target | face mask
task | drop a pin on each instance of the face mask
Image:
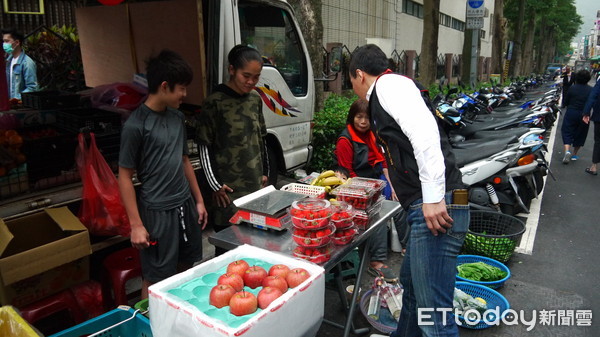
(8, 48)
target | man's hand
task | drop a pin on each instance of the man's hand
(586, 119)
(265, 181)
(221, 197)
(202, 214)
(140, 238)
(436, 217)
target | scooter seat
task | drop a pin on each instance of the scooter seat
(470, 155)
(499, 141)
(514, 132)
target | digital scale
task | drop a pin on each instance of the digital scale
(266, 208)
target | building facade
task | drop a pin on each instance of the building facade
(398, 25)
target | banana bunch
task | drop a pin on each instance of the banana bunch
(328, 179)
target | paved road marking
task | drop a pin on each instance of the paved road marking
(533, 218)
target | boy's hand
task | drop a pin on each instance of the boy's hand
(202, 214)
(265, 181)
(140, 238)
(437, 217)
(221, 197)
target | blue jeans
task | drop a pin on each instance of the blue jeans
(428, 272)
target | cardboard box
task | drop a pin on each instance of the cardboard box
(42, 254)
(116, 40)
(298, 312)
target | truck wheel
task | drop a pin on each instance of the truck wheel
(273, 169)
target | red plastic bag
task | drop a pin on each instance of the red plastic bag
(101, 211)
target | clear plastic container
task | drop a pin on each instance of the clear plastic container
(313, 238)
(311, 213)
(360, 197)
(361, 220)
(344, 236)
(362, 217)
(342, 214)
(377, 185)
(316, 255)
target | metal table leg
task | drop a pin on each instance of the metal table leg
(349, 319)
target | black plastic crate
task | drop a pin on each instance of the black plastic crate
(50, 99)
(48, 151)
(93, 120)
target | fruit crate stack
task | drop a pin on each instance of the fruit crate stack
(44, 100)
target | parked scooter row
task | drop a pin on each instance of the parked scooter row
(500, 152)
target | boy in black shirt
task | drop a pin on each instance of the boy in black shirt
(166, 219)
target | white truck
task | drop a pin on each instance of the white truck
(115, 41)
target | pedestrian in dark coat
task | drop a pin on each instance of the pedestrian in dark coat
(591, 112)
(574, 130)
(566, 84)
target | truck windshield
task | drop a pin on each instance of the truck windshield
(272, 32)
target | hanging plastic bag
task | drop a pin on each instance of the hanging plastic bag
(101, 211)
(126, 96)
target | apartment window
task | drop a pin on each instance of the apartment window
(445, 20)
(482, 34)
(458, 25)
(412, 8)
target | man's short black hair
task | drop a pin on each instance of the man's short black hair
(15, 34)
(167, 66)
(583, 76)
(370, 59)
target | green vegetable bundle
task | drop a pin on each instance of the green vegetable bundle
(480, 271)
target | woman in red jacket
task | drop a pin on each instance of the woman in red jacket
(358, 155)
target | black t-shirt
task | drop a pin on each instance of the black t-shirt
(153, 144)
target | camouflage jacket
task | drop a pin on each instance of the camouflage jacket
(230, 133)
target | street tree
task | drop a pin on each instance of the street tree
(429, 43)
(498, 37)
(311, 25)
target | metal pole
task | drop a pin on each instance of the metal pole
(474, 57)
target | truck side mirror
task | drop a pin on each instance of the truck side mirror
(335, 60)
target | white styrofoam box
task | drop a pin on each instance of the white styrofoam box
(298, 312)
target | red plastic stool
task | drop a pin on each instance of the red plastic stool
(52, 305)
(122, 266)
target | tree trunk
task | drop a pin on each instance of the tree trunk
(465, 72)
(544, 42)
(309, 18)
(498, 37)
(527, 55)
(429, 44)
(516, 59)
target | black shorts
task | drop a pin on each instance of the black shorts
(175, 237)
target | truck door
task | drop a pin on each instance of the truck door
(286, 84)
